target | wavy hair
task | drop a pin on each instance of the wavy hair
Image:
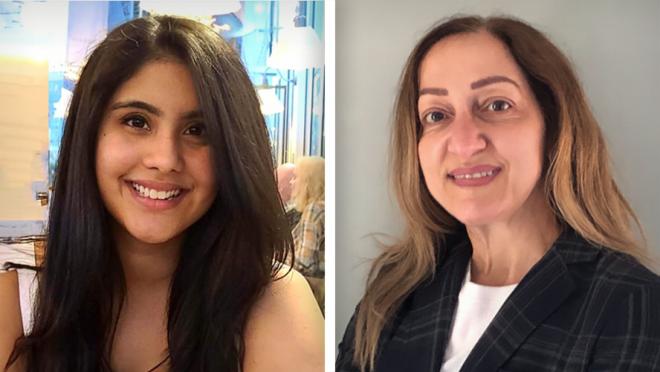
(578, 183)
(310, 181)
(229, 255)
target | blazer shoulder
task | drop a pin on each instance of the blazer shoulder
(627, 295)
(623, 269)
(625, 289)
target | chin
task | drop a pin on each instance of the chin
(476, 217)
(154, 236)
(474, 222)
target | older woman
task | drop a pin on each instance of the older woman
(520, 252)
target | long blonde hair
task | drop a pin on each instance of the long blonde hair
(577, 178)
(310, 181)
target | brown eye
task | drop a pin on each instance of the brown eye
(196, 130)
(499, 105)
(137, 122)
(434, 117)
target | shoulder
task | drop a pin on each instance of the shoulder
(11, 327)
(316, 207)
(604, 268)
(627, 294)
(624, 291)
(285, 328)
(624, 273)
(610, 278)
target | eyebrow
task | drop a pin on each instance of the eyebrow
(492, 80)
(475, 85)
(194, 114)
(434, 91)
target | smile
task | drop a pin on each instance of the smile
(476, 176)
(146, 192)
(157, 198)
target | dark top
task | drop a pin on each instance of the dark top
(580, 308)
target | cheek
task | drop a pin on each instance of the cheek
(200, 165)
(430, 151)
(524, 149)
(114, 156)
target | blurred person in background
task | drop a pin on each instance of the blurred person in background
(309, 233)
(285, 173)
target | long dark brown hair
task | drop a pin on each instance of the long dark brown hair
(577, 180)
(228, 257)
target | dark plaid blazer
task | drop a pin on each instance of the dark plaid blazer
(580, 308)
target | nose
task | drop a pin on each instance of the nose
(466, 138)
(163, 152)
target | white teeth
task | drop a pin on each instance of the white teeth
(146, 192)
(474, 175)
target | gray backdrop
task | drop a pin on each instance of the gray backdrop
(614, 47)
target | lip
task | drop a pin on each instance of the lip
(156, 205)
(474, 182)
(158, 186)
(475, 169)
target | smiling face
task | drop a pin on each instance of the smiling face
(153, 160)
(481, 147)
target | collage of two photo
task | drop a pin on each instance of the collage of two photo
(329, 185)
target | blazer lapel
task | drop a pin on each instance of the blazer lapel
(540, 292)
(418, 342)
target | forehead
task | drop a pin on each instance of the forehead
(165, 84)
(460, 59)
(284, 171)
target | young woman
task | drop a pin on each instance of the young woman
(166, 236)
(520, 251)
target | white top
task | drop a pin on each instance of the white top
(27, 291)
(477, 306)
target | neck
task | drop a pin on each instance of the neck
(503, 252)
(146, 266)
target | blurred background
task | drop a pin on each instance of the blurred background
(44, 44)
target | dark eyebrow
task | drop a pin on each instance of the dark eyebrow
(434, 91)
(194, 114)
(492, 80)
(139, 105)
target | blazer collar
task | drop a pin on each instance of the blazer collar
(544, 288)
(541, 291)
(416, 338)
